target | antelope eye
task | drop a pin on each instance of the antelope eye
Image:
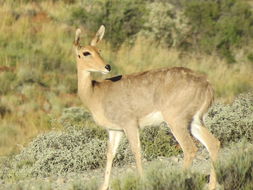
(86, 53)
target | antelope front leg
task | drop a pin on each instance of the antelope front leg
(113, 143)
(132, 134)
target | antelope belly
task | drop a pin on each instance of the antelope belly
(154, 118)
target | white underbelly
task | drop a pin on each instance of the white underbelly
(154, 118)
(102, 121)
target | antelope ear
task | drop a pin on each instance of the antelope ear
(99, 36)
(77, 37)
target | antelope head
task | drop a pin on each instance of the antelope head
(88, 57)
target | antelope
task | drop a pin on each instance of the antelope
(124, 104)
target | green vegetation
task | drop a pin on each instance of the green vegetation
(231, 122)
(237, 171)
(220, 26)
(159, 176)
(234, 171)
(203, 26)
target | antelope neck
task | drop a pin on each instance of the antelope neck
(84, 85)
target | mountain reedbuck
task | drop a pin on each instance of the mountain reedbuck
(124, 104)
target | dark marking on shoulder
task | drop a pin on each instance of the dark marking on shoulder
(94, 83)
(115, 79)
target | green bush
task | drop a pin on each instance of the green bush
(122, 19)
(165, 24)
(158, 141)
(236, 171)
(230, 123)
(173, 178)
(219, 25)
(60, 153)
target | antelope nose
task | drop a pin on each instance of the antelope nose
(108, 67)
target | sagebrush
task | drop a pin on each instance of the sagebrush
(229, 123)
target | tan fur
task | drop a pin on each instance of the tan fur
(124, 103)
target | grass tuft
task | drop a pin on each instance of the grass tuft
(236, 171)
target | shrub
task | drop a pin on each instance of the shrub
(158, 141)
(164, 178)
(123, 19)
(236, 170)
(159, 176)
(219, 25)
(230, 123)
(60, 153)
(165, 24)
